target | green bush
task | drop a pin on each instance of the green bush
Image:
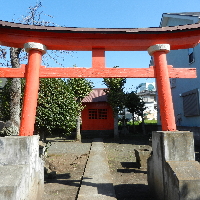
(5, 101)
(56, 110)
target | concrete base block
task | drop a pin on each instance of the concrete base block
(173, 172)
(9, 184)
(141, 157)
(21, 168)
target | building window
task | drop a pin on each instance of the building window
(151, 62)
(191, 105)
(102, 113)
(92, 113)
(173, 82)
(145, 99)
(98, 113)
(191, 55)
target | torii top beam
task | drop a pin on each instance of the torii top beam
(85, 39)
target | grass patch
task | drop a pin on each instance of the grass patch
(150, 122)
(147, 122)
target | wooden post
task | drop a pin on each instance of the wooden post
(98, 58)
(35, 50)
(159, 52)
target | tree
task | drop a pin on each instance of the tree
(56, 110)
(80, 87)
(33, 17)
(15, 86)
(135, 105)
(15, 92)
(116, 98)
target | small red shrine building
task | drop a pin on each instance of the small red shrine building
(97, 114)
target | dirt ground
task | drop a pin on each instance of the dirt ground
(130, 182)
(66, 162)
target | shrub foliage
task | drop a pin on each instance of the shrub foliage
(57, 108)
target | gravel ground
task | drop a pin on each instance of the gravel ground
(59, 146)
(65, 162)
(68, 159)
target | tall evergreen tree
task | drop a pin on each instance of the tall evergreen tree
(135, 105)
(80, 87)
(116, 98)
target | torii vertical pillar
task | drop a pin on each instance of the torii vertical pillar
(159, 52)
(35, 50)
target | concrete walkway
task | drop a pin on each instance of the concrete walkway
(97, 183)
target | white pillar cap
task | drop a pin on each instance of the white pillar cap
(37, 46)
(158, 47)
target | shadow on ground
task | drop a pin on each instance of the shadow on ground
(133, 139)
(131, 167)
(63, 179)
(132, 191)
(197, 153)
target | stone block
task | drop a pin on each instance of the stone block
(178, 145)
(182, 180)
(21, 168)
(141, 156)
(172, 171)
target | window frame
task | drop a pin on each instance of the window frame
(191, 58)
(98, 113)
(191, 104)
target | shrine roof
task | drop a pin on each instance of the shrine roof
(96, 95)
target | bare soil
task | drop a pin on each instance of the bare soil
(65, 183)
(130, 182)
(65, 162)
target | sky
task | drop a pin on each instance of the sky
(102, 14)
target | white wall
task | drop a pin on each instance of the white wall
(179, 59)
(177, 21)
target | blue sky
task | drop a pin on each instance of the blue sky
(103, 14)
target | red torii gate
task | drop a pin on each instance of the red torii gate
(158, 41)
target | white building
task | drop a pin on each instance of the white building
(148, 94)
(185, 92)
(147, 86)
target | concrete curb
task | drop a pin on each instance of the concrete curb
(97, 181)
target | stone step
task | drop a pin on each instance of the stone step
(186, 170)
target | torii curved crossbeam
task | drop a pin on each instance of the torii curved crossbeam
(110, 39)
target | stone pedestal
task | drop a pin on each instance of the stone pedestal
(173, 172)
(21, 168)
